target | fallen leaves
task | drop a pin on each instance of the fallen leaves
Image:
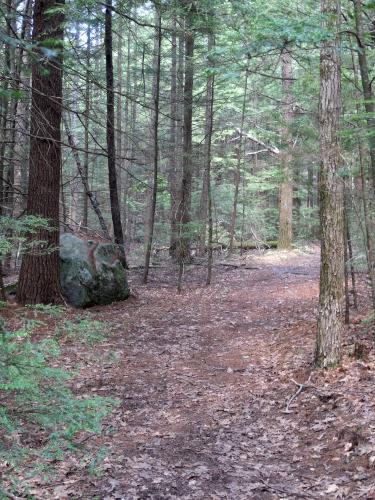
(204, 380)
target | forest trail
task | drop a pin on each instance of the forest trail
(204, 381)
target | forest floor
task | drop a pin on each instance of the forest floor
(218, 398)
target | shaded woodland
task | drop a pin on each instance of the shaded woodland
(213, 163)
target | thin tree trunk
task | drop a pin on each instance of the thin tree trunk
(203, 209)
(178, 150)
(184, 240)
(174, 144)
(64, 214)
(111, 148)
(155, 99)
(119, 131)
(346, 271)
(85, 173)
(88, 193)
(39, 275)
(331, 296)
(352, 271)
(4, 108)
(366, 83)
(370, 252)
(75, 185)
(369, 246)
(130, 117)
(208, 142)
(237, 173)
(310, 187)
(286, 189)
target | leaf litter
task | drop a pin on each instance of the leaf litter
(218, 396)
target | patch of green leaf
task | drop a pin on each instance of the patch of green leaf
(85, 330)
(54, 311)
(40, 417)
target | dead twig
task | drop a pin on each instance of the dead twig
(301, 387)
(279, 489)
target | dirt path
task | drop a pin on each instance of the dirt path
(204, 382)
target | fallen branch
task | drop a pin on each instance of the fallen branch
(236, 266)
(301, 387)
(279, 489)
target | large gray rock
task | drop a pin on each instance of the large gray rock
(91, 272)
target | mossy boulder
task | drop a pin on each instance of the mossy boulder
(91, 272)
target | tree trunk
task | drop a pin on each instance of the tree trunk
(369, 246)
(174, 143)
(366, 83)
(178, 149)
(346, 269)
(286, 189)
(119, 131)
(237, 172)
(85, 173)
(39, 276)
(130, 118)
(330, 321)
(87, 191)
(155, 99)
(183, 215)
(352, 271)
(207, 155)
(111, 149)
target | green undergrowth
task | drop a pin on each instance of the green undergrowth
(49, 309)
(84, 330)
(369, 319)
(41, 419)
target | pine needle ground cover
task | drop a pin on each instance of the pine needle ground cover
(42, 420)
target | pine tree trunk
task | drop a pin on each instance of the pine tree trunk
(207, 150)
(119, 131)
(183, 214)
(39, 276)
(130, 118)
(237, 172)
(346, 269)
(111, 149)
(178, 149)
(286, 188)
(366, 83)
(174, 145)
(85, 173)
(369, 246)
(155, 129)
(331, 296)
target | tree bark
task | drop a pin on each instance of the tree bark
(183, 215)
(85, 173)
(111, 148)
(369, 245)
(178, 149)
(119, 118)
(39, 275)
(285, 238)
(155, 128)
(366, 84)
(331, 296)
(237, 172)
(207, 154)
(174, 142)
